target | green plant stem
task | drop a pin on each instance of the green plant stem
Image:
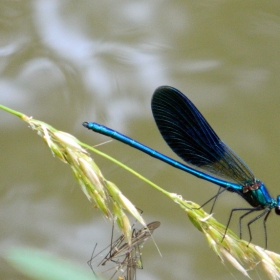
(13, 112)
(126, 168)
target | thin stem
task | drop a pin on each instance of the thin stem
(16, 113)
(126, 168)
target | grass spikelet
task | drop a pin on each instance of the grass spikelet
(106, 196)
(123, 222)
(239, 253)
(123, 202)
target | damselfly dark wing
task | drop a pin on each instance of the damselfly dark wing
(190, 136)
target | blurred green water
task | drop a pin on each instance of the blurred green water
(66, 62)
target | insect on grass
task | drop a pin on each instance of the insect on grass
(123, 257)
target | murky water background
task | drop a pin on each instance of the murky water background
(65, 62)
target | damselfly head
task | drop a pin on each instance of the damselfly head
(277, 208)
